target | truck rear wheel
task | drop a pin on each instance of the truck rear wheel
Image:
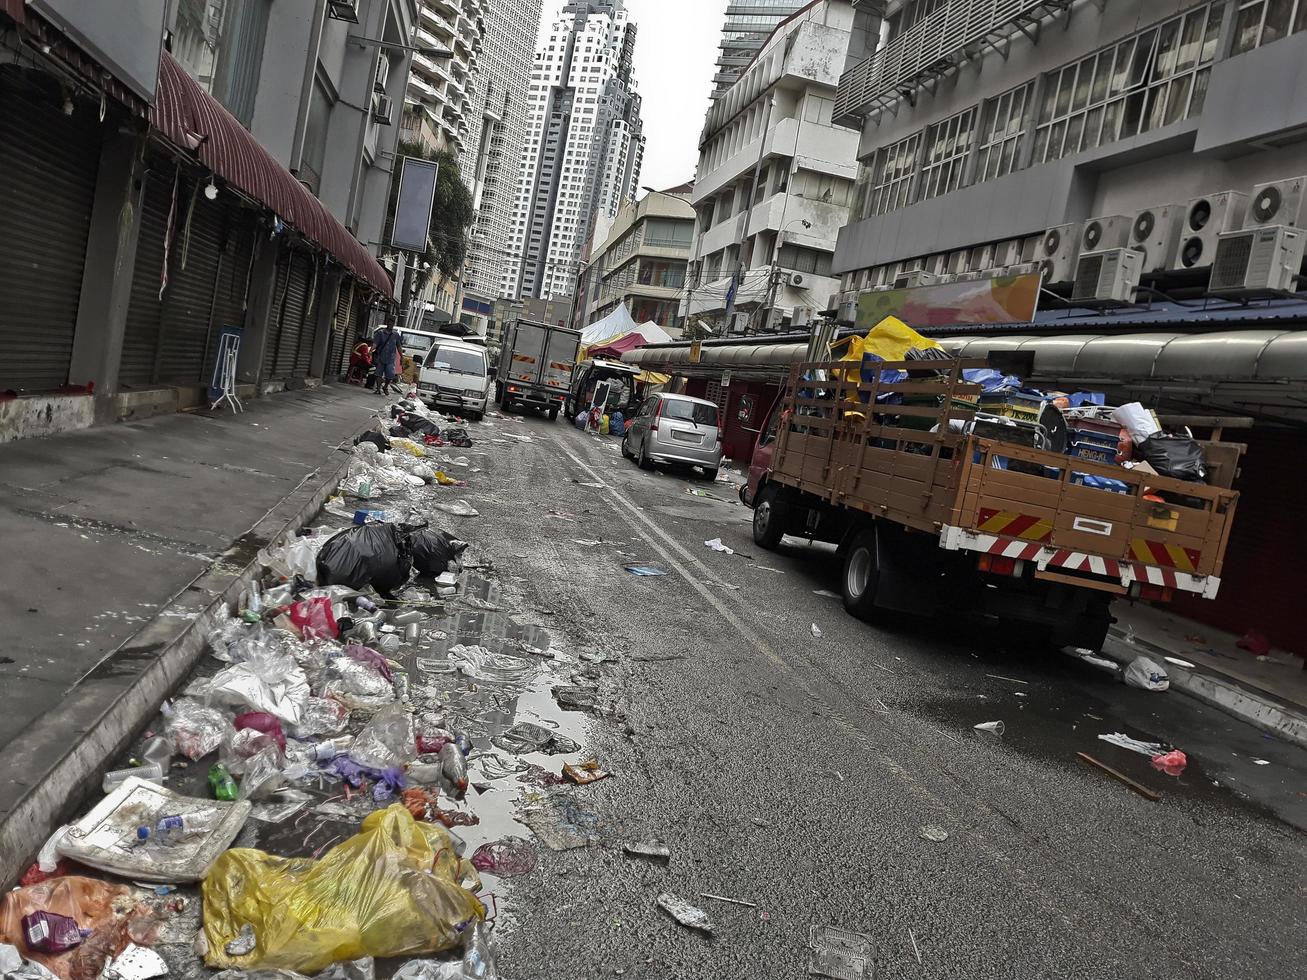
(769, 518)
(861, 575)
(553, 414)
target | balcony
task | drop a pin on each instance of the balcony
(960, 31)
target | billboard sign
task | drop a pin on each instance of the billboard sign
(126, 36)
(1007, 299)
(413, 204)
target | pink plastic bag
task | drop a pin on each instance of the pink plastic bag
(314, 619)
(263, 722)
(1172, 763)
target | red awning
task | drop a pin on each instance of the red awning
(184, 113)
(615, 349)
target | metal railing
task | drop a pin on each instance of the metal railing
(954, 33)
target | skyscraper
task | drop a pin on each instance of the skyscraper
(584, 146)
(491, 162)
(748, 24)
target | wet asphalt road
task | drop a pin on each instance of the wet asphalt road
(795, 773)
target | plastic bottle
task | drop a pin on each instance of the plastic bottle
(454, 766)
(366, 604)
(411, 632)
(158, 750)
(221, 783)
(112, 780)
(408, 616)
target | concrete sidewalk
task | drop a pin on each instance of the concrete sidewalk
(116, 542)
(1270, 693)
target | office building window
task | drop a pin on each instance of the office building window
(799, 259)
(220, 44)
(1153, 79)
(668, 233)
(1002, 128)
(1262, 21)
(895, 167)
(948, 144)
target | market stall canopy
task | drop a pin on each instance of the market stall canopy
(615, 324)
(197, 123)
(615, 347)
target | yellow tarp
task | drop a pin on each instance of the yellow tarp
(890, 340)
(395, 888)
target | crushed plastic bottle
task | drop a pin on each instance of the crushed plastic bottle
(112, 780)
(221, 784)
(453, 766)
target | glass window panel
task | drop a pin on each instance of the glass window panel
(1200, 92)
(1111, 121)
(1167, 38)
(1055, 135)
(1066, 83)
(1074, 127)
(1191, 40)
(1121, 67)
(1247, 27)
(1102, 74)
(1132, 114)
(1300, 18)
(1041, 144)
(1083, 81)
(1093, 119)
(1049, 97)
(1141, 65)
(1278, 16)
(1177, 101)
(1212, 39)
(1016, 118)
(1009, 155)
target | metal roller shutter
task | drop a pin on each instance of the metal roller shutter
(291, 322)
(313, 303)
(280, 294)
(48, 164)
(230, 301)
(338, 353)
(194, 268)
(144, 310)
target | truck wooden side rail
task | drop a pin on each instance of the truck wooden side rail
(888, 481)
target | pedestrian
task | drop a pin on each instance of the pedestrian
(385, 355)
(360, 363)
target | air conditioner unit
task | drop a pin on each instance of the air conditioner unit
(1110, 276)
(346, 10)
(1279, 202)
(1021, 269)
(382, 107)
(1108, 232)
(916, 278)
(1154, 234)
(848, 311)
(798, 280)
(972, 276)
(956, 262)
(1205, 219)
(1058, 252)
(981, 258)
(937, 265)
(382, 76)
(802, 316)
(1259, 259)
(1007, 253)
(945, 279)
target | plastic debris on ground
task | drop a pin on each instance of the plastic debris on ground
(1149, 749)
(648, 851)
(1146, 674)
(644, 570)
(933, 832)
(396, 888)
(816, 631)
(585, 773)
(507, 858)
(994, 728)
(110, 836)
(716, 545)
(840, 953)
(683, 912)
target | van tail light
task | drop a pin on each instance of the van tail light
(653, 426)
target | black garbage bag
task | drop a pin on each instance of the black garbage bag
(379, 555)
(1178, 457)
(398, 432)
(382, 443)
(433, 550)
(419, 426)
(456, 435)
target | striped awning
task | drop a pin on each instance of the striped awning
(196, 122)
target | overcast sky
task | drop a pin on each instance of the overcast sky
(675, 60)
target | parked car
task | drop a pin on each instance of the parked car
(675, 429)
(455, 376)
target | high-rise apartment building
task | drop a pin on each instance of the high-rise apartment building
(442, 85)
(748, 25)
(491, 163)
(584, 146)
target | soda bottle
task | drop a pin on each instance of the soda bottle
(221, 783)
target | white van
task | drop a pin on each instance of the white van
(417, 343)
(455, 377)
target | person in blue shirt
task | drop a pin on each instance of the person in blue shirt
(385, 355)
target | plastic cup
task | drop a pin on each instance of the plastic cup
(995, 728)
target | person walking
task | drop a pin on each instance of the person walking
(385, 355)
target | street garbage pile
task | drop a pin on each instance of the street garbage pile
(1079, 424)
(310, 801)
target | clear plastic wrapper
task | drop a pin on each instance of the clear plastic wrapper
(242, 746)
(387, 740)
(321, 716)
(362, 679)
(263, 774)
(196, 729)
(280, 689)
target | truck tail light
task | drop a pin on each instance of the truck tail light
(999, 565)
(1155, 593)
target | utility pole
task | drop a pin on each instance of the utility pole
(737, 278)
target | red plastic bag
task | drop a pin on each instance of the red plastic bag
(1172, 763)
(314, 619)
(263, 722)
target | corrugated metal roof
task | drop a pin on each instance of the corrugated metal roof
(1195, 315)
(184, 113)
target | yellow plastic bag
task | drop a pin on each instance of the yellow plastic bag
(394, 889)
(891, 339)
(398, 442)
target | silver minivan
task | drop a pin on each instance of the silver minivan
(675, 429)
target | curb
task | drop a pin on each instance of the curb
(62, 755)
(1229, 696)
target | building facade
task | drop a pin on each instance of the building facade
(584, 147)
(1004, 142)
(207, 186)
(775, 180)
(492, 162)
(441, 95)
(642, 261)
(748, 25)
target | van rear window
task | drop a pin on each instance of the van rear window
(690, 412)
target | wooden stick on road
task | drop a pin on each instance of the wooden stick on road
(1139, 788)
